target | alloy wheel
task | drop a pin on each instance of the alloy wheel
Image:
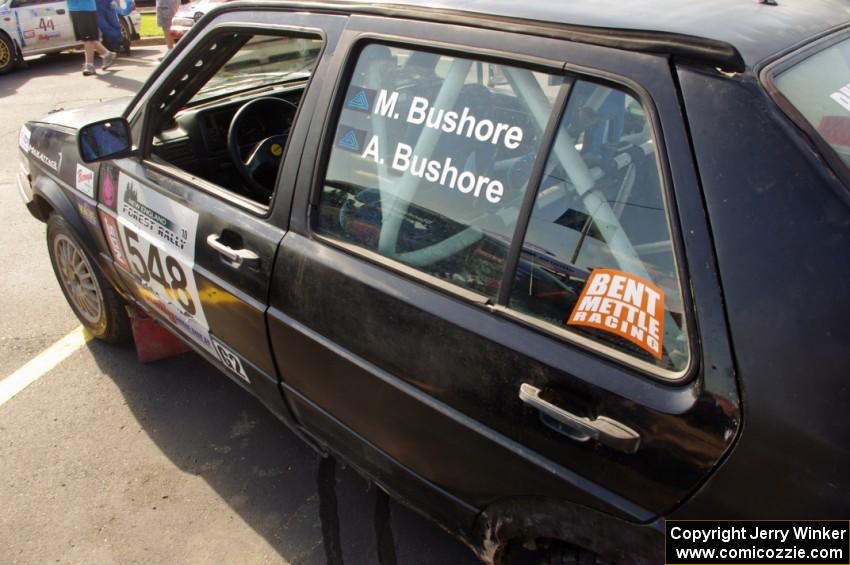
(77, 276)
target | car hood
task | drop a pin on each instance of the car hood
(79, 117)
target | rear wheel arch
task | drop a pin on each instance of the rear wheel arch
(553, 524)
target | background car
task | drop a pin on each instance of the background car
(31, 27)
(190, 13)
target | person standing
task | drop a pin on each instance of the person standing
(165, 11)
(84, 19)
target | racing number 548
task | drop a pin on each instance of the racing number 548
(172, 279)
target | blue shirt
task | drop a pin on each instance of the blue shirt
(81, 6)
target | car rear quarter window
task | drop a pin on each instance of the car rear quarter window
(431, 158)
(597, 260)
(818, 87)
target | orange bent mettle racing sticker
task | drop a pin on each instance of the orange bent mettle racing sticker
(624, 305)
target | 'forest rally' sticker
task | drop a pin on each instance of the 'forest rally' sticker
(624, 305)
(153, 238)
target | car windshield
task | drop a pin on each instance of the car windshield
(819, 88)
(264, 60)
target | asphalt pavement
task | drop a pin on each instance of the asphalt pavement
(105, 460)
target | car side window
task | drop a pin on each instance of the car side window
(597, 259)
(431, 156)
(25, 3)
(226, 117)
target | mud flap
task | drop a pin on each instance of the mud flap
(384, 541)
(329, 510)
(329, 516)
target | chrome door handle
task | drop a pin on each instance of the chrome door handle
(603, 429)
(233, 257)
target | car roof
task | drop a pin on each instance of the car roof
(754, 29)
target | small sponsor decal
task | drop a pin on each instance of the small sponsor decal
(107, 191)
(85, 180)
(229, 359)
(29, 34)
(24, 139)
(625, 305)
(351, 139)
(87, 211)
(113, 237)
(359, 99)
(54, 164)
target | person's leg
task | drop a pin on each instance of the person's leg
(88, 47)
(169, 40)
(107, 55)
(98, 47)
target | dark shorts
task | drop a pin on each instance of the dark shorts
(85, 26)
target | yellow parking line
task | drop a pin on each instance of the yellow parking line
(42, 363)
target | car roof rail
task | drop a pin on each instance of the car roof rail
(681, 47)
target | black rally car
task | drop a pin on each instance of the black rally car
(543, 272)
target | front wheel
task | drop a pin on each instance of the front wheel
(93, 300)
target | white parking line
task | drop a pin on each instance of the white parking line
(42, 363)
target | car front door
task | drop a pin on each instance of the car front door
(42, 24)
(194, 238)
(486, 279)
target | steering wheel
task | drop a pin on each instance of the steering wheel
(267, 154)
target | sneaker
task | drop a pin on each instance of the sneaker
(108, 59)
(88, 70)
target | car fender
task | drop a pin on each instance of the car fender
(52, 199)
(55, 200)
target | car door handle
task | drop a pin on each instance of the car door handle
(60, 11)
(602, 429)
(233, 257)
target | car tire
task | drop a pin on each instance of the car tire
(126, 33)
(548, 552)
(8, 54)
(95, 303)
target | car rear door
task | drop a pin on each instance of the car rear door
(197, 253)
(473, 371)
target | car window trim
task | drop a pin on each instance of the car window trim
(568, 71)
(784, 63)
(262, 211)
(532, 188)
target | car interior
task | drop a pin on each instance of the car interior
(227, 119)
